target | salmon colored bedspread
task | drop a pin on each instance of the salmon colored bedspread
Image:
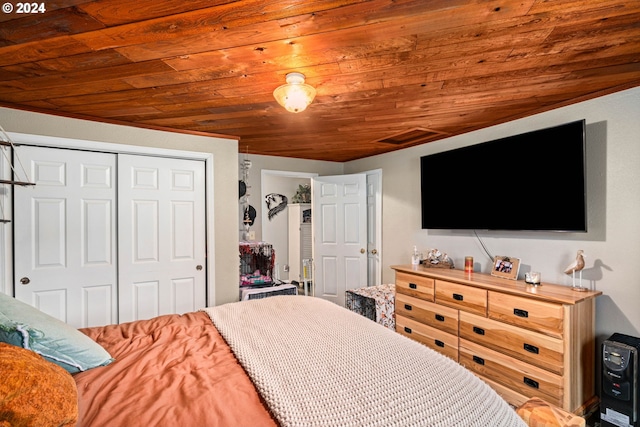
(169, 371)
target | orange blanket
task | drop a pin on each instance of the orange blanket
(169, 371)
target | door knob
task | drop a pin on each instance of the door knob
(374, 251)
(198, 267)
(362, 251)
(25, 280)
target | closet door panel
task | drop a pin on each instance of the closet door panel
(64, 247)
(182, 216)
(145, 229)
(162, 207)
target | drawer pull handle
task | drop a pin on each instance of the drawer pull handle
(439, 343)
(531, 383)
(413, 286)
(458, 297)
(408, 307)
(478, 330)
(478, 360)
(407, 330)
(520, 313)
(531, 348)
(439, 317)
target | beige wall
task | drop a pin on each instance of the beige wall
(273, 163)
(225, 154)
(612, 244)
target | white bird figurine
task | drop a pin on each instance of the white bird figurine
(576, 265)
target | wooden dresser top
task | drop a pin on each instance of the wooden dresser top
(546, 291)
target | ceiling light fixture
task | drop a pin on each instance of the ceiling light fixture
(296, 95)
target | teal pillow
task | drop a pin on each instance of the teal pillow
(28, 327)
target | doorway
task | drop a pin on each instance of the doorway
(275, 230)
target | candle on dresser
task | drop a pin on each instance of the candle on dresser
(468, 264)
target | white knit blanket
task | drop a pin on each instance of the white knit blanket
(318, 364)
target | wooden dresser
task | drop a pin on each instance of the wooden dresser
(524, 341)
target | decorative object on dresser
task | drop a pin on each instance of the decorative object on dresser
(507, 267)
(532, 278)
(416, 257)
(468, 264)
(437, 259)
(524, 341)
(576, 265)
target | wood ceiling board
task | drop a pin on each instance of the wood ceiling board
(52, 23)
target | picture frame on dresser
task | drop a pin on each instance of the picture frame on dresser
(506, 267)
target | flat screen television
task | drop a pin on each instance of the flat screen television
(532, 181)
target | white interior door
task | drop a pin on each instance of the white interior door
(339, 235)
(65, 245)
(162, 210)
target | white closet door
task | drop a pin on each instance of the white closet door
(65, 245)
(162, 251)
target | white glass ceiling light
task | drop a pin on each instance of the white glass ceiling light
(296, 95)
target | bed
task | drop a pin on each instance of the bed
(279, 361)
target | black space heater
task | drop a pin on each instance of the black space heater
(619, 397)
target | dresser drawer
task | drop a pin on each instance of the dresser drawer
(519, 376)
(437, 316)
(440, 341)
(527, 313)
(461, 297)
(414, 285)
(537, 349)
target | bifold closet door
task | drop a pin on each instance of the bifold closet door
(162, 227)
(65, 235)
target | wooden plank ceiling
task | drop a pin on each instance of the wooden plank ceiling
(389, 73)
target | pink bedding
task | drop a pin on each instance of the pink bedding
(173, 370)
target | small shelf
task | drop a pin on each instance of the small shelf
(5, 141)
(12, 182)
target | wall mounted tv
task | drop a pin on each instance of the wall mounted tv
(531, 181)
